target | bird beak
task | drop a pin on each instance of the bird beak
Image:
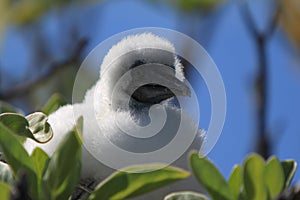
(166, 86)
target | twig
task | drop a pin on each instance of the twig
(264, 145)
(83, 189)
(248, 19)
(24, 88)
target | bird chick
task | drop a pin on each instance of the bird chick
(139, 78)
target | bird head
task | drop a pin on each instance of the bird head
(143, 69)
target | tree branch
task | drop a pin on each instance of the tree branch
(246, 15)
(23, 88)
(264, 145)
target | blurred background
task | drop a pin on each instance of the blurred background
(255, 45)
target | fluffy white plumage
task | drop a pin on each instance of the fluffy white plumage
(99, 110)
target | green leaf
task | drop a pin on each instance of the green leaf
(289, 169)
(39, 127)
(186, 195)
(24, 12)
(55, 101)
(128, 183)
(63, 172)
(4, 191)
(274, 177)
(189, 5)
(253, 174)
(34, 126)
(79, 125)
(235, 181)
(40, 160)
(7, 108)
(17, 157)
(27, 11)
(6, 175)
(15, 154)
(16, 123)
(210, 177)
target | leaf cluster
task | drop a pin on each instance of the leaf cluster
(254, 179)
(58, 176)
(38, 176)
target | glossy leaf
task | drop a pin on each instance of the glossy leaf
(124, 184)
(53, 104)
(4, 191)
(187, 195)
(289, 169)
(17, 157)
(63, 172)
(274, 177)
(210, 177)
(40, 128)
(6, 174)
(16, 123)
(235, 181)
(15, 154)
(34, 126)
(40, 160)
(253, 175)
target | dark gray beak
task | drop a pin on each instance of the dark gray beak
(152, 94)
(155, 93)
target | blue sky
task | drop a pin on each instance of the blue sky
(230, 46)
(233, 50)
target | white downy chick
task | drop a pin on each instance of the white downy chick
(129, 106)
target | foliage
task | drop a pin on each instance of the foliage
(57, 177)
(40, 169)
(123, 184)
(254, 179)
(55, 101)
(189, 5)
(193, 5)
(26, 11)
(4, 190)
(34, 126)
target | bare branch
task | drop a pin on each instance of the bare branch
(23, 88)
(250, 22)
(248, 19)
(264, 144)
(272, 26)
